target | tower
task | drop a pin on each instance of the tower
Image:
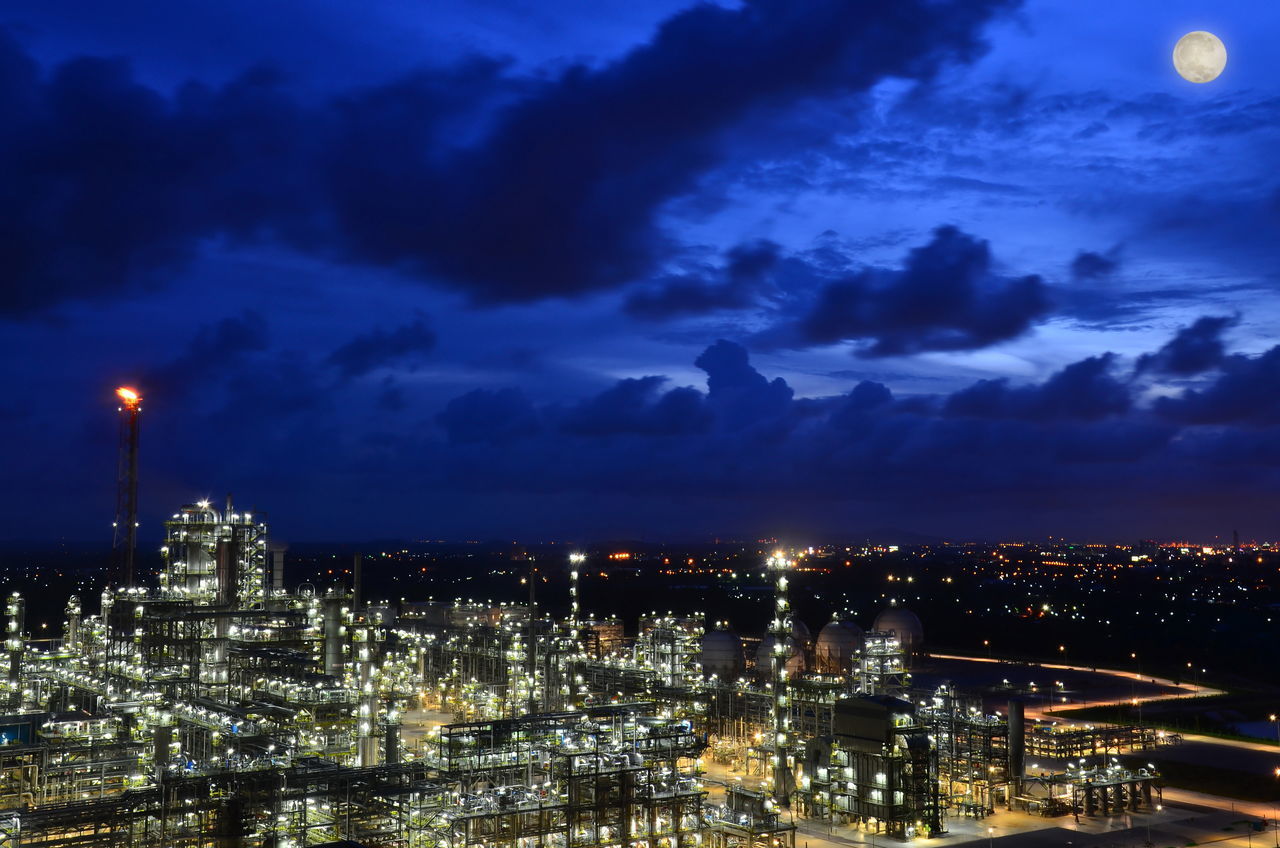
(575, 560)
(780, 629)
(125, 542)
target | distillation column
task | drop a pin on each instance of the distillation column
(71, 634)
(367, 734)
(334, 630)
(780, 628)
(15, 622)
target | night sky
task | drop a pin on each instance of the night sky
(499, 269)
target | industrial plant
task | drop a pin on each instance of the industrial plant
(217, 706)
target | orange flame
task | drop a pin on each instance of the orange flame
(129, 396)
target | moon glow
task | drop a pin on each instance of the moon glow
(1199, 56)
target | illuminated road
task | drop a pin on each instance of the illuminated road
(1182, 690)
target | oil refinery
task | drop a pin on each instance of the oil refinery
(223, 708)
(217, 706)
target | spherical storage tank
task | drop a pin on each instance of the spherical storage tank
(838, 642)
(721, 654)
(795, 663)
(904, 624)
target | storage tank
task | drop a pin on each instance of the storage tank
(904, 624)
(800, 632)
(795, 663)
(838, 643)
(721, 654)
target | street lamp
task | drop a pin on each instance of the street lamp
(991, 835)
(1276, 724)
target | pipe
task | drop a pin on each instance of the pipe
(1017, 749)
(357, 583)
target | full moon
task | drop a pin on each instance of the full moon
(1200, 56)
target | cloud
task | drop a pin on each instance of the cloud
(1084, 390)
(739, 453)
(408, 343)
(1079, 434)
(492, 416)
(1192, 351)
(741, 395)
(734, 285)
(635, 406)
(215, 350)
(1089, 265)
(946, 296)
(1078, 448)
(508, 188)
(1246, 392)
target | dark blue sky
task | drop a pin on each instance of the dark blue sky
(663, 270)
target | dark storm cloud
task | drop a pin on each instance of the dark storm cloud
(106, 183)
(1089, 265)
(741, 395)
(636, 406)
(407, 344)
(1081, 440)
(512, 190)
(562, 196)
(1193, 350)
(735, 285)
(493, 416)
(946, 296)
(1246, 392)
(1083, 390)
(216, 349)
(1078, 433)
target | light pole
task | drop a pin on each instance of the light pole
(991, 836)
(1276, 725)
(1158, 809)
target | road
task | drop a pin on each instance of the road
(1181, 690)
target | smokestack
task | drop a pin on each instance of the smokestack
(126, 526)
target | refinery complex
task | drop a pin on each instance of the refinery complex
(217, 706)
(222, 708)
